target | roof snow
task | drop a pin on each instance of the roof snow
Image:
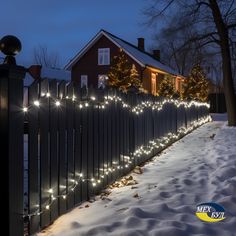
(55, 74)
(48, 73)
(143, 58)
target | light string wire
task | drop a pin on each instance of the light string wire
(142, 150)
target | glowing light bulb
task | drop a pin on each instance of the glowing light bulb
(36, 103)
(50, 190)
(57, 103)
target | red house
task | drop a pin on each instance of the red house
(91, 65)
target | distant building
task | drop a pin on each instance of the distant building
(91, 65)
(36, 72)
(39, 72)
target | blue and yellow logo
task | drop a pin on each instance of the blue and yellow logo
(210, 212)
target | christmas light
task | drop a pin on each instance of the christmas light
(57, 103)
(36, 103)
(142, 150)
(50, 190)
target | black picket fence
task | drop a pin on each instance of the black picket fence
(78, 141)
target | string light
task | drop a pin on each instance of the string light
(57, 103)
(127, 160)
(36, 103)
(139, 109)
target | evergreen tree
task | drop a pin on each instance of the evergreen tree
(122, 74)
(135, 80)
(196, 86)
(166, 88)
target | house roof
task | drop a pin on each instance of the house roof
(57, 74)
(143, 58)
(48, 73)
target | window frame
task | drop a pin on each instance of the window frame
(105, 78)
(103, 56)
(83, 77)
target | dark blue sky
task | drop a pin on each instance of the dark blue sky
(65, 26)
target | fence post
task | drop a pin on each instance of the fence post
(11, 136)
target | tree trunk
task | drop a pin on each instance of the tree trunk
(226, 63)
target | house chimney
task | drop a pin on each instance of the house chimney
(157, 54)
(141, 45)
(35, 71)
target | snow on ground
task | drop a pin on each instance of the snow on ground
(199, 168)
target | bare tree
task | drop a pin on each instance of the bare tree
(43, 57)
(180, 58)
(213, 21)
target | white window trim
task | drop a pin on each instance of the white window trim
(84, 77)
(103, 51)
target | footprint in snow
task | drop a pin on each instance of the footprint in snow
(187, 182)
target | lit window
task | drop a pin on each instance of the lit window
(84, 81)
(104, 56)
(154, 84)
(102, 81)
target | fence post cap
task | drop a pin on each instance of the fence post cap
(10, 46)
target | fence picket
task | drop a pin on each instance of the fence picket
(53, 149)
(84, 146)
(70, 145)
(44, 153)
(33, 159)
(62, 157)
(78, 155)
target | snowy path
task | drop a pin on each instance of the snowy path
(199, 168)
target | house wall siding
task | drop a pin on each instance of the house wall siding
(147, 79)
(88, 63)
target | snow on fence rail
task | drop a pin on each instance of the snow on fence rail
(77, 142)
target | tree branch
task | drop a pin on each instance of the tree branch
(231, 26)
